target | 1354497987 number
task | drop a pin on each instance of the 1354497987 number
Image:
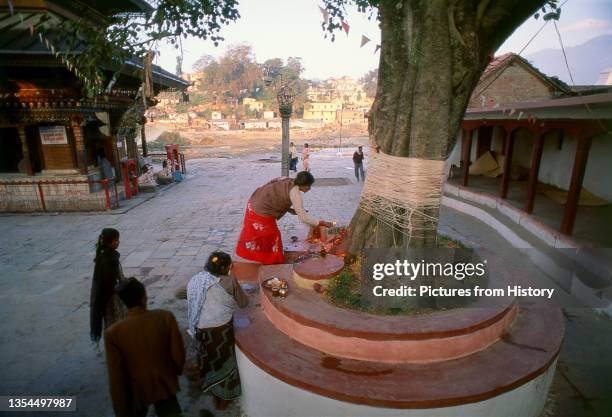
(17, 403)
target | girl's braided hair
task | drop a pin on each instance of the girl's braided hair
(107, 236)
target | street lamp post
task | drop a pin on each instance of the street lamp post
(285, 97)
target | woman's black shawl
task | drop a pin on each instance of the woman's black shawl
(107, 272)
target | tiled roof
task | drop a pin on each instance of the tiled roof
(496, 63)
(499, 63)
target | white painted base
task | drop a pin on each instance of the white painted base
(266, 396)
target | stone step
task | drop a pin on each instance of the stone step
(525, 351)
(309, 318)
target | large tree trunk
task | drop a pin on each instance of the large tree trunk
(432, 54)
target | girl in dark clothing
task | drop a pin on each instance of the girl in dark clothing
(105, 306)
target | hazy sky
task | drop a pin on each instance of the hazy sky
(283, 28)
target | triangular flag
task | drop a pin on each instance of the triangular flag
(377, 48)
(364, 40)
(325, 14)
(346, 27)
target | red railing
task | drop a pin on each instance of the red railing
(107, 185)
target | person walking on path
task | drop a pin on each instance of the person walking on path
(260, 239)
(293, 157)
(105, 306)
(212, 298)
(144, 356)
(306, 158)
(358, 162)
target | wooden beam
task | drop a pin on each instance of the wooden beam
(79, 145)
(467, 150)
(505, 181)
(143, 140)
(536, 157)
(573, 195)
(504, 140)
(25, 150)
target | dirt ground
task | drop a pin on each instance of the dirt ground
(234, 143)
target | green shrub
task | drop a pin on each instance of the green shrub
(341, 291)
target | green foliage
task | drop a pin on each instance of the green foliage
(550, 11)
(198, 98)
(342, 291)
(237, 75)
(447, 242)
(123, 36)
(337, 13)
(182, 107)
(370, 81)
(167, 138)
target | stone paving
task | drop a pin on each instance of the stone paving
(46, 262)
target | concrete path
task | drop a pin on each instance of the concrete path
(46, 264)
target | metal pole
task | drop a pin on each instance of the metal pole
(340, 144)
(285, 97)
(285, 148)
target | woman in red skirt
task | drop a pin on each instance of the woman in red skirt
(260, 239)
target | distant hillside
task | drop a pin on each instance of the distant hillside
(586, 61)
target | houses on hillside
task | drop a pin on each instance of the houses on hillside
(338, 100)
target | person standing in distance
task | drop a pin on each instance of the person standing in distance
(358, 162)
(306, 158)
(293, 157)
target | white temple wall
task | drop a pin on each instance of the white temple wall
(557, 159)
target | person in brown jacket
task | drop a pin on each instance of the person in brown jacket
(144, 355)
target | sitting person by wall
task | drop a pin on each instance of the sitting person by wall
(165, 175)
(146, 180)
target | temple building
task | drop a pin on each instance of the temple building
(55, 140)
(536, 152)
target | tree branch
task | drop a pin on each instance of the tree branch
(482, 7)
(502, 17)
(452, 24)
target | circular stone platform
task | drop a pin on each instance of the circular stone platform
(317, 270)
(430, 370)
(307, 317)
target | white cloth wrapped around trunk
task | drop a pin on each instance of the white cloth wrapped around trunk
(401, 192)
